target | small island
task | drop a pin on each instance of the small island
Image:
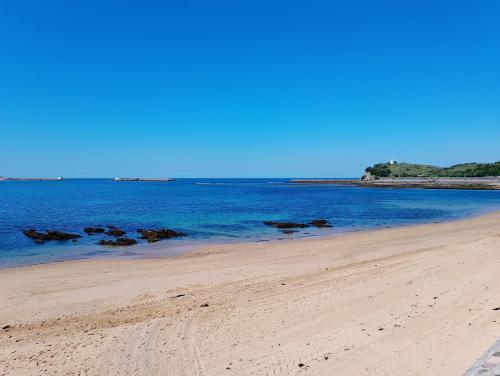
(409, 175)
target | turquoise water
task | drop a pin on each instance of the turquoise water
(209, 210)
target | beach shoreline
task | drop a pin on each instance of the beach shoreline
(165, 249)
(404, 300)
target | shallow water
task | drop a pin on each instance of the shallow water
(209, 210)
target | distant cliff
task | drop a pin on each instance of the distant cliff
(402, 170)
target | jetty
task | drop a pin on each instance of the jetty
(480, 183)
(144, 179)
(3, 178)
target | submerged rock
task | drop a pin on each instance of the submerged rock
(288, 231)
(41, 237)
(94, 230)
(156, 235)
(120, 242)
(60, 235)
(320, 223)
(115, 232)
(33, 234)
(282, 225)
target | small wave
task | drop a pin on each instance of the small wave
(232, 184)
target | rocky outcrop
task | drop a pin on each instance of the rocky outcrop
(320, 223)
(41, 237)
(120, 242)
(94, 230)
(282, 225)
(115, 232)
(156, 235)
(38, 237)
(368, 177)
(60, 235)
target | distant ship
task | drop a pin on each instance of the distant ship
(143, 179)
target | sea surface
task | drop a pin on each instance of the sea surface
(209, 210)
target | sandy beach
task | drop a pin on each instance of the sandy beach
(403, 301)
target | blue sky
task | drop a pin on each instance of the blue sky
(245, 88)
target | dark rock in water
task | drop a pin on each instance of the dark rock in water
(59, 235)
(41, 237)
(74, 241)
(120, 242)
(320, 223)
(115, 232)
(288, 232)
(282, 225)
(94, 230)
(156, 235)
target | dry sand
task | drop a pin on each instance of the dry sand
(407, 301)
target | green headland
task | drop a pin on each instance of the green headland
(401, 170)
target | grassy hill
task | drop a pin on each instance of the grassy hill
(416, 170)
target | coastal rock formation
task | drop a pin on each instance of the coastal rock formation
(286, 227)
(115, 232)
(156, 235)
(60, 235)
(288, 231)
(94, 230)
(282, 225)
(320, 223)
(120, 242)
(367, 176)
(41, 237)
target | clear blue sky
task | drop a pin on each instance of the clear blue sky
(245, 88)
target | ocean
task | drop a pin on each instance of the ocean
(208, 210)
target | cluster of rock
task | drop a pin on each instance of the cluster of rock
(42, 237)
(94, 230)
(156, 235)
(284, 225)
(120, 241)
(287, 227)
(320, 223)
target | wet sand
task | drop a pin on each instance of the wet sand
(405, 301)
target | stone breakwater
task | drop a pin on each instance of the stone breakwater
(3, 178)
(491, 183)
